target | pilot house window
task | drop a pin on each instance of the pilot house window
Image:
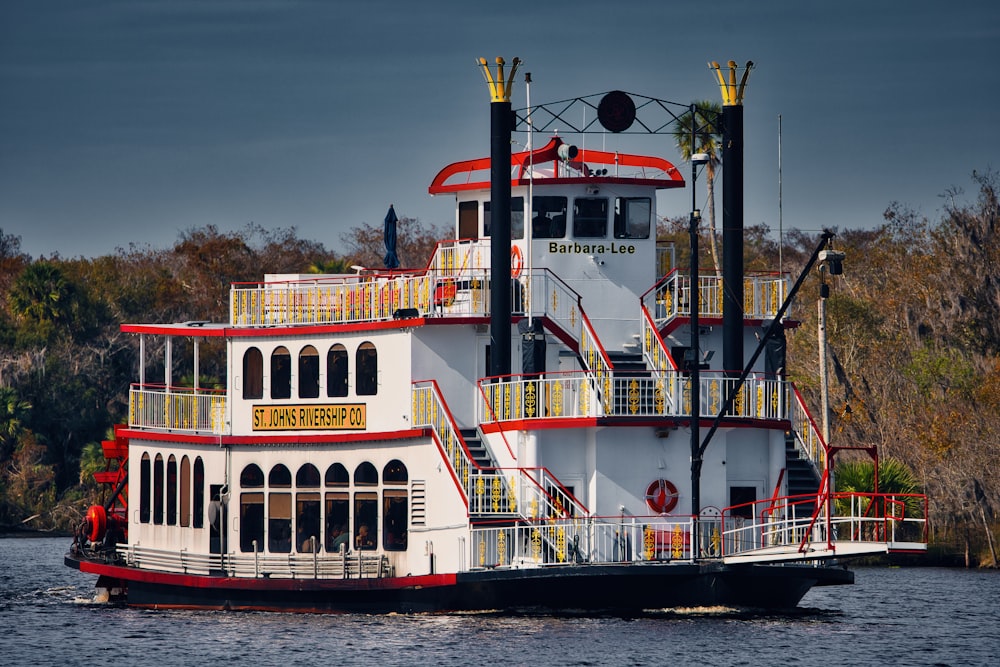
(632, 216)
(590, 217)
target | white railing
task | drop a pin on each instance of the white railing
(808, 439)
(489, 491)
(574, 394)
(860, 523)
(527, 493)
(574, 541)
(177, 409)
(763, 295)
(339, 300)
(320, 565)
(428, 409)
(654, 350)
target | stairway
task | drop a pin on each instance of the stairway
(801, 476)
(628, 365)
(476, 448)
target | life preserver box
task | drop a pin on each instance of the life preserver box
(97, 523)
(661, 496)
(516, 261)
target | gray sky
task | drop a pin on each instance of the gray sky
(130, 121)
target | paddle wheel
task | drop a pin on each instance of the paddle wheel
(107, 524)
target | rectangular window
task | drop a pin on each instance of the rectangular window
(338, 522)
(468, 220)
(740, 498)
(590, 217)
(307, 535)
(516, 218)
(185, 491)
(548, 217)
(365, 520)
(251, 522)
(632, 217)
(279, 523)
(394, 513)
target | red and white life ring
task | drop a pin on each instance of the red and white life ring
(661, 496)
(516, 261)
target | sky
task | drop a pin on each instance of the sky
(129, 122)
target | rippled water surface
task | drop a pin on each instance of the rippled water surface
(891, 616)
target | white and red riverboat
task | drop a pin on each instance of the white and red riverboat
(365, 455)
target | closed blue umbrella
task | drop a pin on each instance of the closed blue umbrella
(391, 260)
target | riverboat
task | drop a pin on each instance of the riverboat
(366, 454)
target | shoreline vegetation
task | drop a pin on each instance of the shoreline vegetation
(912, 325)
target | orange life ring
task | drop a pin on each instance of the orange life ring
(97, 522)
(661, 496)
(516, 261)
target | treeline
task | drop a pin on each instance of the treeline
(65, 367)
(913, 329)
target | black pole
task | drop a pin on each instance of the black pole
(500, 281)
(732, 238)
(774, 327)
(693, 360)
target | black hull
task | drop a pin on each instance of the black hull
(605, 588)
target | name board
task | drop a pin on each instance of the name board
(556, 248)
(349, 416)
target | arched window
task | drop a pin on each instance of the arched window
(171, 491)
(336, 475)
(253, 374)
(366, 475)
(308, 372)
(252, 477)
(279, 476)
(394, 472)
(252, 509)
(279, 517)
(158, 489)
(281, 373)
(144, 490)
(198, 502)
(185, 491)
(366, 364)
(336, 371)
(307, 477)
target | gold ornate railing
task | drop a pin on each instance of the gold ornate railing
(177, 409)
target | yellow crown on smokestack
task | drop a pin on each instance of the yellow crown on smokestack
(499, 87)
(732, 95)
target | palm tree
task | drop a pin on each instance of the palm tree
(13, 413)
(706, 116)
(894, 477)
(333, 265)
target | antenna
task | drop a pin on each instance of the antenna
(781, 240)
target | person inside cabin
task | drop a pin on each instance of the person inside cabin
(363, 540)
(341, 537)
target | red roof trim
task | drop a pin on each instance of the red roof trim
(671, 177)
(257, 332)
(275, 438)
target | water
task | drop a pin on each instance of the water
(891, 616)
